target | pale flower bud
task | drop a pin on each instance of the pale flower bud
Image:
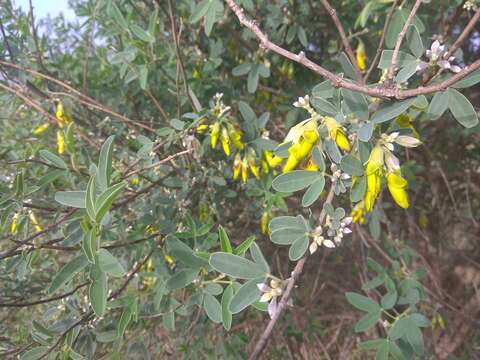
(407, 141)
(392, 162)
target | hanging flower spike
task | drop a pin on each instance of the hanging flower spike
(41, 129)
(34, 221)
(264, 223)
(361, 56)
(374, 174)
(397, 185)
(236, 136)
(225, 140)
(60, 142)
(214, 134)
(337, 133)
(303, 136)
(358, 213)
(244, 169)
(237, 166)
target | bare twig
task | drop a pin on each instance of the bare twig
(158, 163)
(35, 38)
(343, 37)
(466, 31)
(382, 40)
(297, 271)
(337, 81)
(401, 36)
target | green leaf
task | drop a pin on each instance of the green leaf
(106, 199)
(391, 110)
(287, 222)
(318, 158)
(182, 252)
(420, 320)
(398, 329)
(143, 77)
(105, 163)
(200, 11)
(389, 300)
(324, 107)
(356, 102)
(89, 245)
(226, 314)
(403, 59)
(252, 80)
(406, 72)
(53, 159)
(74, 199)
(362, 302)
(414, 41)
(258, 257)
(212, 308)
(365, 131)
(35, 353)
(109, 263)
(90, 198)
(395, 351)
(98, 293)
(246, 295)
(313, 192)
(414, 337)
(181, 279)
(438, 105)
(294, 180)
(141, 34)
(302, 36)
(468, 81)
(68, 272)
(235, 266)
(213, 289)
(347, 66)
(332, 151)
(117, 14)
(372, 344)
(124, 321)
(244, 246)
(368, 321)
(225, 244)
(351, 165)
(358, 189)
(383, 351)
(242, 69)
(287, 236)
(461, 108)
(298, 248)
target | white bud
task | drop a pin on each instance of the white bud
(407, 141)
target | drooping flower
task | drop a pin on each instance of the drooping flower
(438, 55)
(270, 294)
(358, 213)
(361, 56)
(303, 137)
(337, 133)
(374, 175)
(225, 140)
(397, 185)
(215, 132)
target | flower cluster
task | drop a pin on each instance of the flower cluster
(382, 163)
(63, 119)
(438, 56)
(270, 294)
(336, 229)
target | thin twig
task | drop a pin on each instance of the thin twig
(468, 29)
(158, 163)
(401, 36)
(35, 38)
(343, 37)
(297, 271)
(382, 40)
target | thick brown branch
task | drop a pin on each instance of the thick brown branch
(337, 81)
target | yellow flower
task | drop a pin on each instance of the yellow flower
(236, 137)
(358, 213)
(13, 226)
(34, 221)
(201, 129)
(62, 117)
(337, 133)
(374, 175)
(303, 138)
(214, 134)
(41, 129)
(135, 181)
(237, 166)
(170, 262)
(397, 185)
(225, 140)
(361, 56)
(60, 142)
(310, 165)
(251, 163)
(244, 169)
(264, 223)
(406, 122)
(272, 160)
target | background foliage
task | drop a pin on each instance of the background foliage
(138, 240)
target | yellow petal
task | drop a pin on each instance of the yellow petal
(41, 129)
(290, 164)
(214, 135)
(60, 142)
(342, 140)
(397, 185)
